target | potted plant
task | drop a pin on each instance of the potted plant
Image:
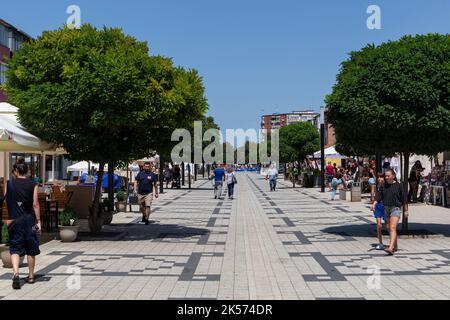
(121, 204)
(68, 228)
(106, 211)
(4, 249)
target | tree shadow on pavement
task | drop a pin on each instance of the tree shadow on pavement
(369, 230)
(142, 232)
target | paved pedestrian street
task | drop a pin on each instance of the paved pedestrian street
(288, 244)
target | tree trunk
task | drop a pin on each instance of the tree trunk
(405, 191)
(94, 224)
(111, 185)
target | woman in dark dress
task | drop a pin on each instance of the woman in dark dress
(24, 221)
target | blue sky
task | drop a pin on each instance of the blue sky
(256, 56)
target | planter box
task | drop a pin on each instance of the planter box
(345, 195)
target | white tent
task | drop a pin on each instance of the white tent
(83, 167)
(329, 153)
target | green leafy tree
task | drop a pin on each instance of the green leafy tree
(101, 96)
(298, 141)
(394, 98)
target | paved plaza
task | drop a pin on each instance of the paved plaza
(289, 244)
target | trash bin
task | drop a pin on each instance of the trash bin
(356, 192)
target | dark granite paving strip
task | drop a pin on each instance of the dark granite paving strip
(116, 256)
(203, 239)
(279, 211)
(342, 209)
(191, 265)
(327, 266)
(442, 253)
(302, 238)
(288, 222)
(64, 261)
(211, 222)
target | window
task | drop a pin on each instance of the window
(3, 68)
(4, 36)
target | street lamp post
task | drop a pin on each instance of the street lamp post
(322, 149)
(182, 174)
(189, 175)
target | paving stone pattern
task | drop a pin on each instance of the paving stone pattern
(288, 244)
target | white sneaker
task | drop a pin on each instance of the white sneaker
(380, 247)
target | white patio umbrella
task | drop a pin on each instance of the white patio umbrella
(13, 138)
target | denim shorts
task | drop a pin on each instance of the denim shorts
(392, 212)
(23, 238)
(372, 182)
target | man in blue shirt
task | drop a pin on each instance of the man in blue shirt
(218, 176)
(146, 186)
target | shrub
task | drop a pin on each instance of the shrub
(68, 217)
(120, 196)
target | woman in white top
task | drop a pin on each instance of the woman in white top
(231, 181)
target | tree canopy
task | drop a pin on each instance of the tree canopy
(297, 141)
(394, 97)
(101, 96)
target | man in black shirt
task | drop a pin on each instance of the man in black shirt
(392, 196)
(146, 186)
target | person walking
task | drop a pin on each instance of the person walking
(24, 222)
(337, 180)
(168, 176)
(218, 175)
(272, 176)
(391, 195)
(379, 215)
(231, 182)
(372, 181)
(329, 174)
(146, 186)
(414, 180)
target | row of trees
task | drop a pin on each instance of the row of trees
(101, 96)
(394, 98)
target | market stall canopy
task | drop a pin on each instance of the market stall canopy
(329, 153)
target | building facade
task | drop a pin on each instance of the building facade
(11, 39)
(276, 121)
